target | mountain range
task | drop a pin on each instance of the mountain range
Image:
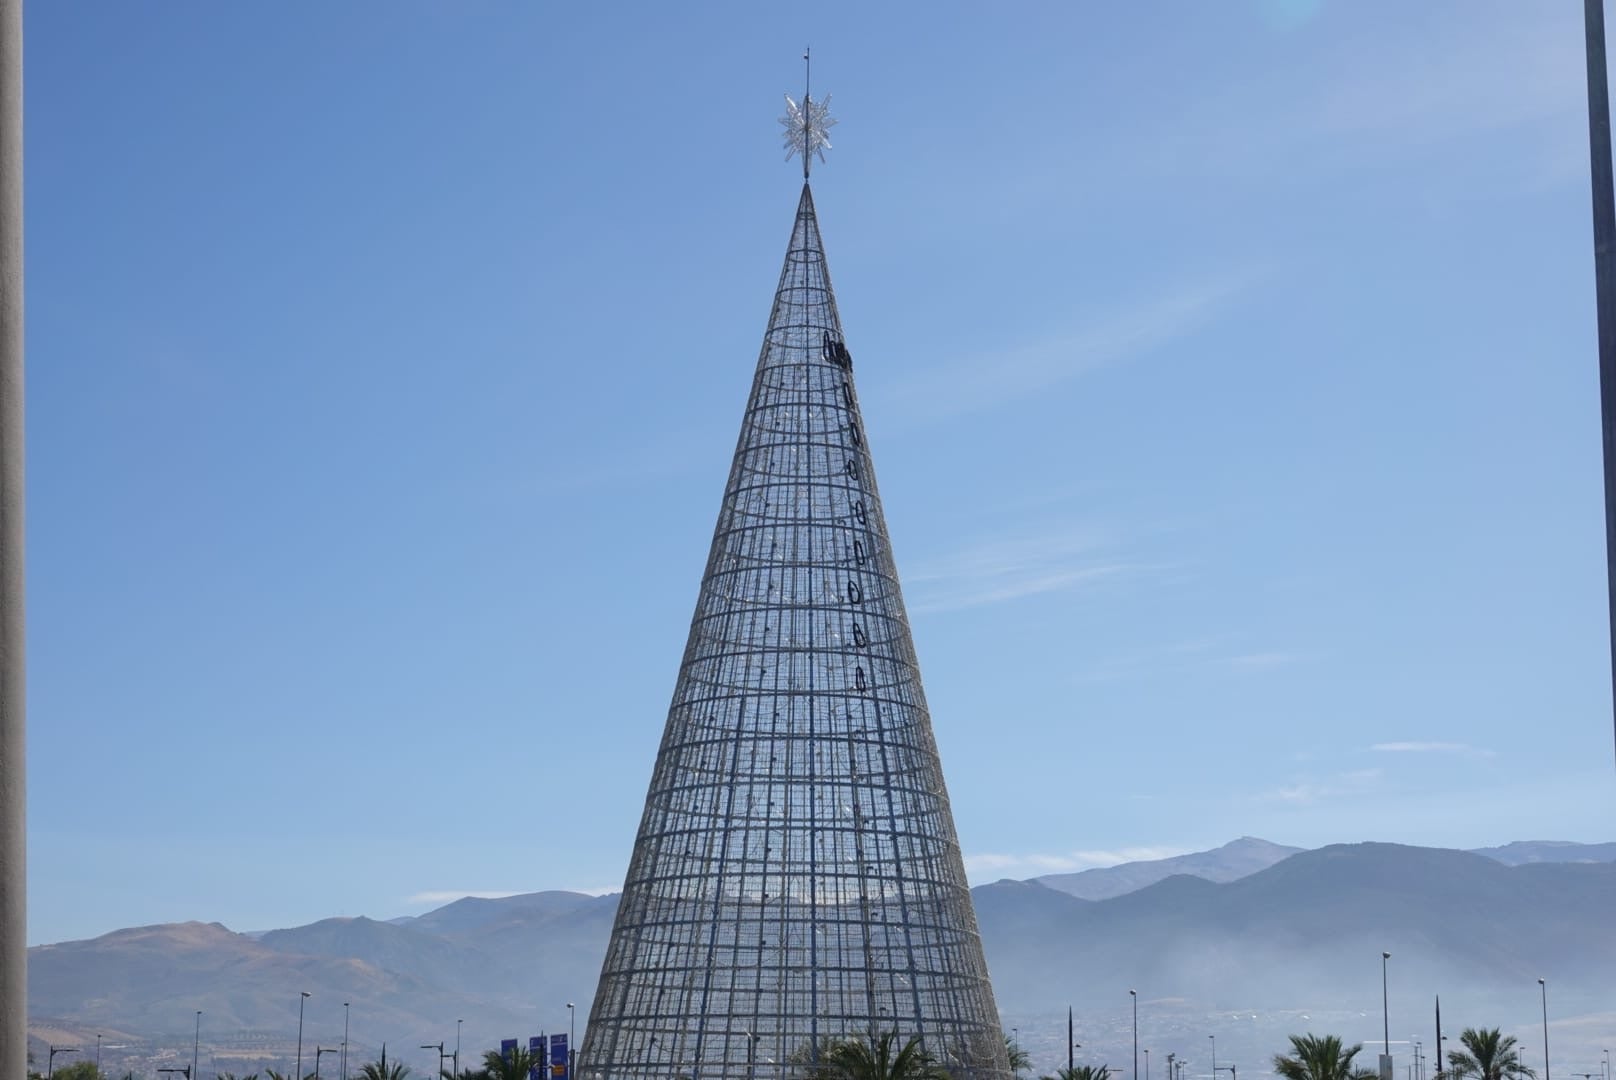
(1203, 934)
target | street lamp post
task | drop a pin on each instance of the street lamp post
(441, 1055)
(457, 1050)
(98, 1056)
(1214, 1039)
(319, 1052)
(50, 1066)
(344, 1040)
(1134, 997)
(1385, 1010)
(303, 995)
(572, 1041)
(1543, 986)
(1147, 1063)
(196, 1042)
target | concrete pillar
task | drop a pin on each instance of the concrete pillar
(13, 863)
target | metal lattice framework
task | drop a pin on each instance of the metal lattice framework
(796, 877)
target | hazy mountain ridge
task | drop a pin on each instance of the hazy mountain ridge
(1233, 860)
(1293, 934)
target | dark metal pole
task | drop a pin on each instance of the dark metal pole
(1544, 987)
(1135, 996)
(1071, 1064)
(196, 1043)
(1604, 283)
(303, 995)
(1385, 1010)
(13, 858)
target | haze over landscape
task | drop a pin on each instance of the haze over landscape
(1251, 941)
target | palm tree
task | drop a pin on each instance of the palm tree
(1019, 1061)
(877, 1057)
(496, 1066)
(1081, 1072)
(1320, 1057)
(375, 1070)
(1488, 1055)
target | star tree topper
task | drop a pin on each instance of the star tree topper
(807, 129)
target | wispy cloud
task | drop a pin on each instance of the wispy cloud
(1034, 864)
(1503, 69)
(1464, 749)
(448, 896)
(1008, 568)
(1260, 661)
(985, 381)
(1350, 784)
(1200, 654)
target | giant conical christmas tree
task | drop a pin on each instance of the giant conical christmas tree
(796, 878)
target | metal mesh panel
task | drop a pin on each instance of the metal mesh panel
(796, 877)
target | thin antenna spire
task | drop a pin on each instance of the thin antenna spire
(807, 82)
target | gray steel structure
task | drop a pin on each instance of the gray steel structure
(796, 878)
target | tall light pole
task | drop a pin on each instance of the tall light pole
(438, 1046)
(1214, 1039)
(1147, 1063)
(344, 1040)
(457, 1050)
(1134, 997)
(196, 1042)
(303, 995)
(98, 1056)
(319, 1052)
(1604, 208)
(1543, 986)
(50, 1066)
(1385, 1010)
(572, 1040)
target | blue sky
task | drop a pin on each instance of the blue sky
(1229, 370)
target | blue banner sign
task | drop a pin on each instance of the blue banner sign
(558, 1057)
(507, 1048)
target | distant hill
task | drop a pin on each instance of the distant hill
(1300, 930)
(1535, 851)
(1247, 855)
(1305, 931)
(1230, 862)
